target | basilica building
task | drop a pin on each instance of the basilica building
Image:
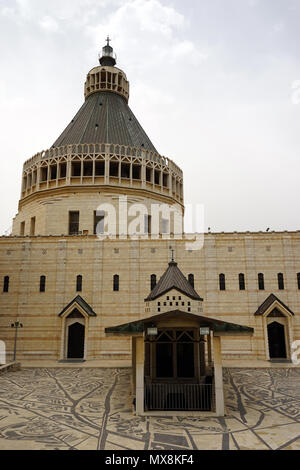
(82, 295)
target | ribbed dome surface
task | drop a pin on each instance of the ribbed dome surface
(105, 117)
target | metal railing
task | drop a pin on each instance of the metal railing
(179, 397)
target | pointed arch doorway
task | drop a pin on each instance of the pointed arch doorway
(276, 339)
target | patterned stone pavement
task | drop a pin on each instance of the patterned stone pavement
(91, 409)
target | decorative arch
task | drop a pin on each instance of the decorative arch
(274, 312)
(75, 318)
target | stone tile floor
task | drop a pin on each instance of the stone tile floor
(81, 408)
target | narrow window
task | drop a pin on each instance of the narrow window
(99, 222)
(222, 282)
(32, 226)
(165, 226)
(153, 281)
(147, 224)
(6, 284)
(43, 284)
(116, 284)
(280, 281)
(22, 229)
(298, 279)
(242, 281)
(79, 283)
(191, 280)
(73, 222)
(261, 282)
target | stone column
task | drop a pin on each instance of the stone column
(133, 362)
(219, 391)
(140, 347)
(209, 356)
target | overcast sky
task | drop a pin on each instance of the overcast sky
(214, 83)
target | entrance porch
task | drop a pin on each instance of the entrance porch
(177, 363)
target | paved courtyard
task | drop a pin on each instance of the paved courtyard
(91, 409)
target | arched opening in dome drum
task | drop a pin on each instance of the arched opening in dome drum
(125, 170)
(165, 180)
(76, 169)
(44, 173)
(62, 170)
(149, 173)
(136, 172)
(100, 168)
(114, 169)
(53, 172)
(157, 177)
(88, 168)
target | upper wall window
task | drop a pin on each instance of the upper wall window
(43, 284)
(222, 282)
(261, 281)
(32, 226)
(22, 228)
(79, 283)
(73, 222)
(280, 281)
(191, 279)
(153, 281)
(99, 217)
(242, 281)
(116, 283)
(6, 284)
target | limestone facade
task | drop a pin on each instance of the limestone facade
(62, 259)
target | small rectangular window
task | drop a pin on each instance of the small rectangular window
(32, 226)
(73, 222)
(22, 229)
(147, 224)
(165, 226)
(99, 217)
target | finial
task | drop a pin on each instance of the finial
(108, 57)
(172, 251)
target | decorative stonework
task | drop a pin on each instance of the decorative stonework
(90, 409)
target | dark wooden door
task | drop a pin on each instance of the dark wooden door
(76, 341)
(276, 338)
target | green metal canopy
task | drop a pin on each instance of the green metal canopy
(217, 326)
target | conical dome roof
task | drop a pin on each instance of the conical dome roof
(105, 117)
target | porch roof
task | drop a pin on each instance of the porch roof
(217, 326)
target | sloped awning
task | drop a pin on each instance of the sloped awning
(271, 300)
(79, 301)
(219, 327)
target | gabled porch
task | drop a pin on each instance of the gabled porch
(177, 363)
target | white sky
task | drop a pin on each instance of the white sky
(214, 83)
